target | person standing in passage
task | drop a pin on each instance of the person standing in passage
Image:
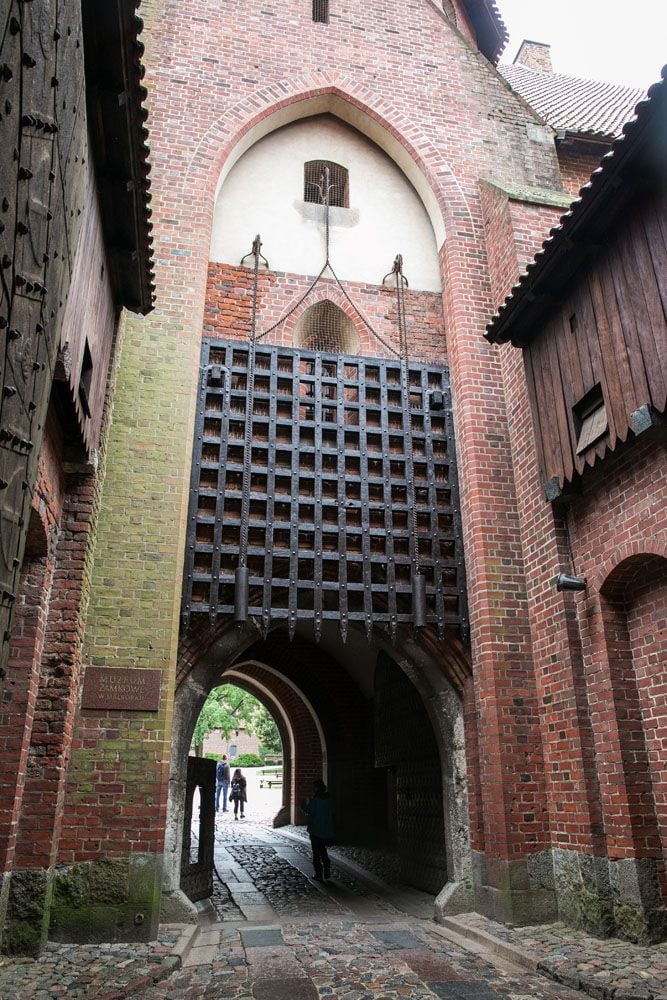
(319, 811)
(237, 792)
(222, 775)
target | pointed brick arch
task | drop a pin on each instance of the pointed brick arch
(638, 548)
(304, 748)
(291, 99)
(328, 291)
(626, 600)
(325, 720)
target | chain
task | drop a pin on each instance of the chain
(401, 282)
(324, 188)
(249, 410)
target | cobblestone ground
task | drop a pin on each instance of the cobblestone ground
(272, 933)
(279, 935)
(101, 971)
(383, 864)
(588, 962)
(306, 960)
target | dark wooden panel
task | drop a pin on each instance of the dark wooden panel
(653, 334)
(610, 330)
(655, 224)
(620, 348)
(563, 418)
(573, 386)
(89, 317)
(538, 412)
(632, 315)
(586, 322)
(609, 348)
(545, 392)
(598, 372)
(42, 182)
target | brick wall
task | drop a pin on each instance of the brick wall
(618, 533)
(576, 169)
(646, 615)
(601, 729)
(515, 231)
(218, 743)
(443, 112)
(229, 305)
(19, 706)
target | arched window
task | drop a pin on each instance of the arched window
(315, 183)
(325, 327)
(321, 11)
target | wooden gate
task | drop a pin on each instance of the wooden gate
(197, 855)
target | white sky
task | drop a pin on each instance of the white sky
(598, 39)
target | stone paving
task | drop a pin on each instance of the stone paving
(607, 968)
(272, 933)
(102, 971)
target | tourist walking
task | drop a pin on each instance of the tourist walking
(237, 793)
(222, 776)
(319, 811)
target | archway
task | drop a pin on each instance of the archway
(339, 554)
(323, 699)
(633, 652)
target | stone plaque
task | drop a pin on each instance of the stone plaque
(131, 688)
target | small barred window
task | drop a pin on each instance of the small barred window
(321, 11)
(324, 180)
(325, 327)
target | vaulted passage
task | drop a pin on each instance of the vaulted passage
(382, 725)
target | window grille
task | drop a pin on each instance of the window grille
(321, 11)
(325, 327)
(315, 186)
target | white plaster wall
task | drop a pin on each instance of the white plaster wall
(263, 193)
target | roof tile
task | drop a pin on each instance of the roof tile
(573, 104)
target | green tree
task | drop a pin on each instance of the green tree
(223, 710)
(225, 707)
(266, 730)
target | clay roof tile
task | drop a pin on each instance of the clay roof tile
(573, 104)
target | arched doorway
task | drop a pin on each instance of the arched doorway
(337, 706)
(629, 717)
(324, 515)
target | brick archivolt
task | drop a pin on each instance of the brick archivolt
(633, 552)
(289, 100)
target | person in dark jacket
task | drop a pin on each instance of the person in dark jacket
(237, 792)
(222, 774)
(319, 811)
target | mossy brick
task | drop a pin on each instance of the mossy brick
(92, 923)
(29, 905)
